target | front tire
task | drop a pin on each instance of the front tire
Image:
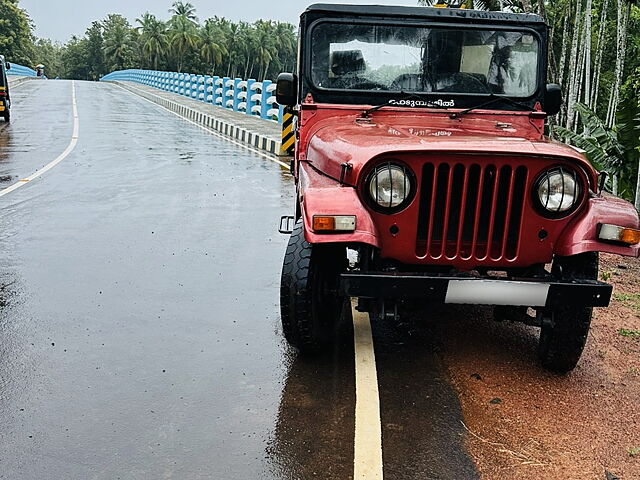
(7, 116)
(310, 305)
(564, 329)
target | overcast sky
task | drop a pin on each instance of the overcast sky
(59, 19)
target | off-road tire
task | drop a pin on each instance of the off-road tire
(564, 330)
(310, 306)
(7, 116)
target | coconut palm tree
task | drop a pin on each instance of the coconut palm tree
(118, 42)
(264, 49)
(184, 9)
(153, 38)
(286, 40)
(183, 36)
(212, 43)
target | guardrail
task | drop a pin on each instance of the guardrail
(244, 96)
(21, 70)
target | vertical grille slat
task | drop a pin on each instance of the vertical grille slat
(447, 211)
(492, 212)
(476, 214)
(470, 211)
(461, 217)
(434, 200)
(507, 218)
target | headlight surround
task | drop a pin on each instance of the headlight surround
(558, 191)
(390, 187)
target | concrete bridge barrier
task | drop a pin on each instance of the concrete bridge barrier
(250, 97)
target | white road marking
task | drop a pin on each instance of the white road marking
(367, 454)
(62, 156)
(213, 132)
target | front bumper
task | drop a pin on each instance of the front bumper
(477, 290)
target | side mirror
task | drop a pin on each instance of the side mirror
(8, 65)
(287, 89)
(552, 98)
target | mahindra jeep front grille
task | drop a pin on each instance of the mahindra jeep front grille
(470, 211)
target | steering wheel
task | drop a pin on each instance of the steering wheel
(479, 82)
(367, 85)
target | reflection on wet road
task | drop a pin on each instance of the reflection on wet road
(139, 324)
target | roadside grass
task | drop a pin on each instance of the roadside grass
(629, 333)
(634, 451)
(631, 300)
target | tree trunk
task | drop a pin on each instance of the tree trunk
(573, 125)
(246, 67)
(541, 9)
(597, 71)
(565, 48)
(266, 70)
(526, 6)
(573, 68)
(621, 44)
(587, 55)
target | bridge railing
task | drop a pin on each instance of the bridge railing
(21, 70)
(245, 96)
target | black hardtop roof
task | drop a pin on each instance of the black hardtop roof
(426, 13)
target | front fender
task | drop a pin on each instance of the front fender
(321, 195)
(581, 234)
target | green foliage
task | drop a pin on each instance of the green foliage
(16, 39)
(153, 39)
(94, 52)
(218, 46)
(50, 54)
(615, 150)
(629, 333)
(75, 59)
(119, 43)
(511, 5)
(212, 48)
(183, 38)
(631, 300)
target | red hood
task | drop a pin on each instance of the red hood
(344, 140)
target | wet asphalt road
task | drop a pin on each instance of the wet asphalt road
(139, 324)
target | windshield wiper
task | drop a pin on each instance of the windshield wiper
(493, 98)
(425, 103)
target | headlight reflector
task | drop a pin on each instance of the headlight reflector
(389, 185)
(558, 190)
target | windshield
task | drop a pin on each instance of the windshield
(418, 59)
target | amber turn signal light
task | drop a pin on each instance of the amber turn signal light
(630, 236)
(615, 233)
(334, 223)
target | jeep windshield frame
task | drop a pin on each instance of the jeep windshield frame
(319, 22)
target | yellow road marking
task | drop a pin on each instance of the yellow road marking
(367, 453)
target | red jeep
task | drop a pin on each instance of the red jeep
(421, 147)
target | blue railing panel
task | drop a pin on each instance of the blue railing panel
(247, 96)
(21, 70)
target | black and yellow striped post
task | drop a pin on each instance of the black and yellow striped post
(288, 134)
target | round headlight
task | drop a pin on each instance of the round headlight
(389, 185)
(558, 190)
